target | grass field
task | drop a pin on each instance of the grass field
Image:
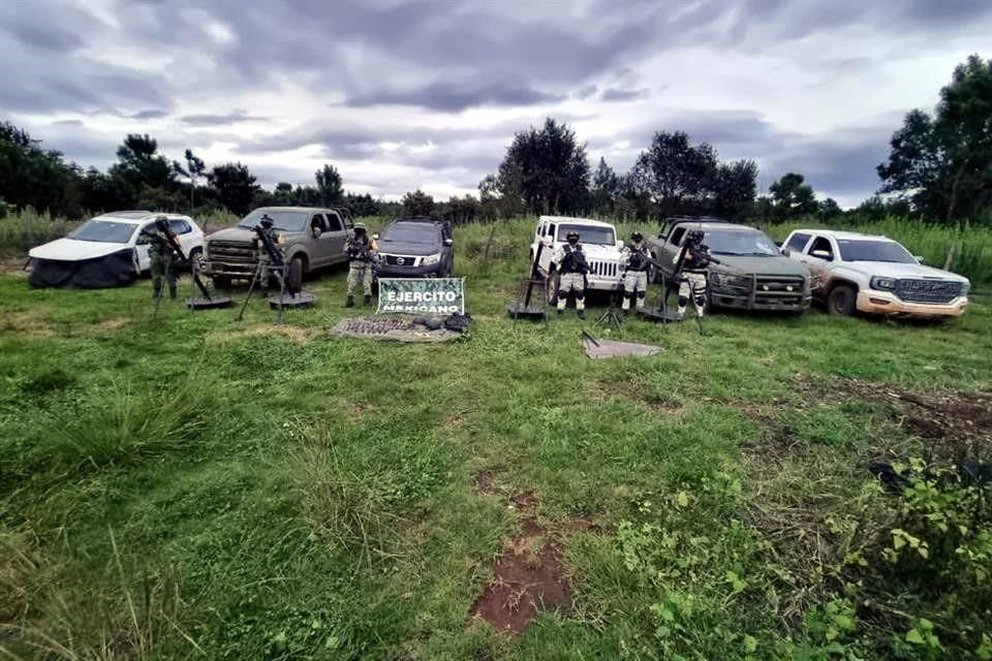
(196, 487)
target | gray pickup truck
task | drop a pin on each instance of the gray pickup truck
(752, 275)
(312, 238)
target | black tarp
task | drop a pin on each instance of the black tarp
(113, 270)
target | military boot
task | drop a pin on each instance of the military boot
(581, 314)
(350, 303)
(172, 293)
(368, 299)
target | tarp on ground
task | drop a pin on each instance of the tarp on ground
(113, 270)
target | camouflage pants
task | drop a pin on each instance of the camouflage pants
(360, 274)
(692, 288)
(572, 282)
(635, 284)
(163, 268)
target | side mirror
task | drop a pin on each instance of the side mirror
(919, 259)
(620, 244)
(822, 254)
(786, 251)
(375, 237)
(316, 232)
(449, 242)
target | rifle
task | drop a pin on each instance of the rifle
(173, 242)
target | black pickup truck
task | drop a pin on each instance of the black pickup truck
(752, 274)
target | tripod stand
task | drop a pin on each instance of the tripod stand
(264, 270)
(611, 317)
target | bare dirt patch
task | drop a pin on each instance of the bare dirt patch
(29, 322)
(528, 575)
(113, 324)
(605, 390)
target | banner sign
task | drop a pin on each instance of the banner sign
(422, 296)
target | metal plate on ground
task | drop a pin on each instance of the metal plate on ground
(213, 303)
(661, 315)
(520, 310)
(302, 300)
(401, 330)
(614, 349)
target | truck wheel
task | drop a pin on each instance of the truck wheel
(195, 260)
(842, 300)
(294, 276)
(221, 281)
(554, 280)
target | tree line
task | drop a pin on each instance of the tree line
(939, 168)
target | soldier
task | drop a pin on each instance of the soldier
(692, 280)
(573, 265)
(636, 258)
(361, 260)
(266, 267)
(163, 257)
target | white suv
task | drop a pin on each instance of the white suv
(598, 240)
(875, 275)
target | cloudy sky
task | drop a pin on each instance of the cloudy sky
(401, 94)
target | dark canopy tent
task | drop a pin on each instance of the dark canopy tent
(113, 270)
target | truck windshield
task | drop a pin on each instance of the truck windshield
(411, 233)
(740, 243)
(588, 234)
(287, 221)
(874, 251)
(103, 231)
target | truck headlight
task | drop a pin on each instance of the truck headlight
(431, 259)
(965, 288)
(881, 283)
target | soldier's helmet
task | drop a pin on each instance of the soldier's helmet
(265, 221)
(360, 227)
(636, 237)
(694, 236)
(571, 235)
(162, 222)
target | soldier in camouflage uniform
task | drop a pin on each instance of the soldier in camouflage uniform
(636, 258)
(163, 257)
(361, 251)
(692, 280)
(265, 266)
(571, 261)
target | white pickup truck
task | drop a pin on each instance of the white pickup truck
(875, 275)
(599, 242)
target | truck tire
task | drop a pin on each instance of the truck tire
(553, 281)
(294, 276)
(195, 260)
(842, 301)
(221, 281)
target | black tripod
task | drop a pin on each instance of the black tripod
(611, 318)
(264, 271)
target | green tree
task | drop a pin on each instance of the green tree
(943, 163)
(329, 185)
(140, 166)
(678, 175)
(193, 170)
(34, 177)
(235, 186)
(418, 203)
(546, 169)
(830, 209)
(734, 188)
(605, 188)
(792, 197)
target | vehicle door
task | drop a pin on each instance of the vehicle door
(141, 243)
(795, 247)
(819, 258)
(670, 249)
(536, 240)
(334, 238)
(550, 242)
(320, 244)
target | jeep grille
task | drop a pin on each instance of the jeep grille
(927, 291)
(603, 269)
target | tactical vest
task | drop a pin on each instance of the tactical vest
(358, 251)
(574, 260)
(638, 260)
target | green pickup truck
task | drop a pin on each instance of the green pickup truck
(752, 274)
